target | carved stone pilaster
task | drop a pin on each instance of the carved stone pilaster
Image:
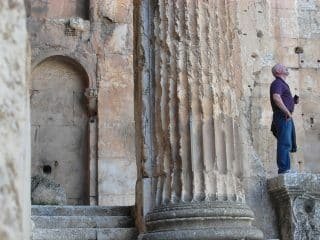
(191, 139)
(296, 198)
(92, 100)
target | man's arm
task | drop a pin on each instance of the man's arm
(278, 101)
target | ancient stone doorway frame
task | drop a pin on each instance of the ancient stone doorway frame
(91, 94)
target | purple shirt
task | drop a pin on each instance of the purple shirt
(280, 87)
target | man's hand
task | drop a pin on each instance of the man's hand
(278, 101)
(288, 115)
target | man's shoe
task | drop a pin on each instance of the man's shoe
(287, 171)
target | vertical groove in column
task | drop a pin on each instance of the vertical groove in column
(233, 161)
(207, 99)
(184, 108)
(143, 112)
(229, 143)
(213, 62)
(195, 80)
(213, 46)
(238, 169)
(158, 129)
(230, 155)
(222, 82)
(173, 105)
(222, 41)
(219, 132)
(228, 37)
(165, 74)
(230, 109)
(224, 150)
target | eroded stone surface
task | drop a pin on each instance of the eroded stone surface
(195, 151)
(57, 9)
(295, 197)
(46, 192)
(14, 123)
(59, 119)
(82, 98)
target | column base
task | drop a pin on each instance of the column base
(205, 221)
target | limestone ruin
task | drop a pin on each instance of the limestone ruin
(151, 119)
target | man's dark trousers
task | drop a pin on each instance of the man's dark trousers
(285, 134)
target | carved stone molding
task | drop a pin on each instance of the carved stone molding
(297, 201)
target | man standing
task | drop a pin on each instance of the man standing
(282, 127)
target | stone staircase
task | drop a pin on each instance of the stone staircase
(83, 223)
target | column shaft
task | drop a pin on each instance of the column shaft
(196, 168)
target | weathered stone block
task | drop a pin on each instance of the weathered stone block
(60, 8)
(288, 24)
(118, 102)
(117, 178)
(286, 4)
(286, 51)
(54, 108)
(117, 199)
(116, 11)
(44, 191)
(64, 150)
(307, 5)
(116, 140)
(295, 197)
(117, 42)
(117, 63)
(118, 80)
(310, 57)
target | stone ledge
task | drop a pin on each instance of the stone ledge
(296, 199)
(304, 181)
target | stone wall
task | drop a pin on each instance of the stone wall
(117, 162)
(271, 32)
(97, 42)
(59, 120)
(308, 80)
(57, 9)
(14, 123)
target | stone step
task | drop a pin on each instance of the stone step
(47, 210)
(117, 234)
(47, 222)
(85, 234)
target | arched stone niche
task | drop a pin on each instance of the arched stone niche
(57, 8)
(63, 123)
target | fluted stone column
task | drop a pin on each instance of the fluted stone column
(191, 136)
